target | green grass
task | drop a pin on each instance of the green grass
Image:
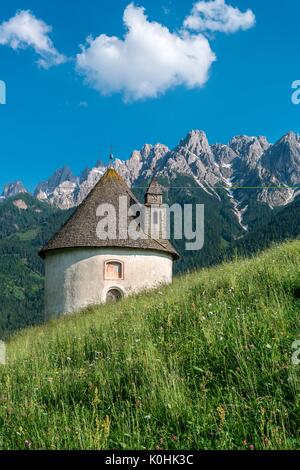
(202, 364)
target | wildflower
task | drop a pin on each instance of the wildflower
(27, 444)
(222, 413)
(251, 447)
(97, 432)
(106, 425)
(148, 417)
(96, 400)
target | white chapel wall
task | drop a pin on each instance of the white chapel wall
(75, 277)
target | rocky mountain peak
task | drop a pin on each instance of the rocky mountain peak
(13, 189)
(146, 151)
(194, 157)
(137, 156)
(195, 142)
(282, 160)
(84, 174)
(264, 143)
(58, 189)
(88, 179)
(249, 149)
(290, 137)
(290, 141)
(59, 176)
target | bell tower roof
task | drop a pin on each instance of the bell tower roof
(154, 187)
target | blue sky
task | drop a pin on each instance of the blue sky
(53, 117)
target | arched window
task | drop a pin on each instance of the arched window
(113, 295)
(114, 270)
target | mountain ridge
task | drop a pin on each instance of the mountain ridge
(247, 167)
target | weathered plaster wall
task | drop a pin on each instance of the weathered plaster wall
(75, 277)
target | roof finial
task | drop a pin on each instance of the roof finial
(111, 158)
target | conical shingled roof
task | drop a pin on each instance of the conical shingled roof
(155, 187)
(80, 230)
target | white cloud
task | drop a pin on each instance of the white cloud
(25, 30)
(147, 61)
(216, 15)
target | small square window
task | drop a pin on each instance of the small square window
(113, 270)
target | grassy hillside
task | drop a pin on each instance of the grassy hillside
(24, 228)
(26, 224)
(202, 364)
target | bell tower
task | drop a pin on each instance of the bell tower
(156, 212)
(154, 194)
